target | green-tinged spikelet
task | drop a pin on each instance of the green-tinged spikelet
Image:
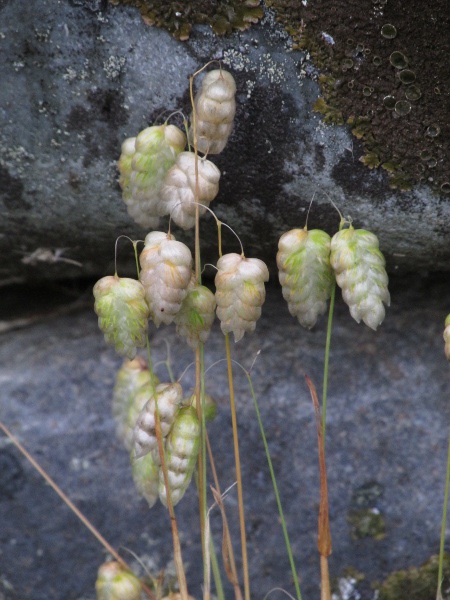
(131, 376)
(179, 189)
(143, 165)
(166, 268)
(359, 268)
(215, 108)
(240, 293)
(447, 337)
(182, 447)
(305, 273)
(196, 316)
(145, 472)
(123, 313)
(116, 583)
(169, 396)
(210, 406)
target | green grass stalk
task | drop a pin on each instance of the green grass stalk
(275, 487)
(326, 362)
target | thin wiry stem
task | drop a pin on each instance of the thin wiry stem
(238, 471)
(327, 360)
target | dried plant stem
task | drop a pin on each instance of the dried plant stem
(324, 535)
(181, 576)
(70, 504)
(232, 563)
(443, 528)
(238, 471)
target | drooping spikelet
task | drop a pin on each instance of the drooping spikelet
(196, 316)
(123, 313)
(116, 583)
(215, 108)
(210, 406)
(178, 191)
(182, 447)
(132, 375)
(169, 397)
(240, 293)
(166, 267)
(305, 273)
(145, 472)
(143, 165)
(359, 268)
(447, 337)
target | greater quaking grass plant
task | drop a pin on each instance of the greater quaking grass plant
(163, 430)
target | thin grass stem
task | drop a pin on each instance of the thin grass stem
(238, 471)
(327, 360)
(216, 571)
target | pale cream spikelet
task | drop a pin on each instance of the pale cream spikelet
(132, 375)
(197, 313)
(182, 446)
(447, 337)
(215, 108)
(144, 169)
(360, 273)
(240, 293)
(122, 313)
(145, 471)
(305, 273)
(179, 188)
(114, 582)
(166, 267)
(169, 397)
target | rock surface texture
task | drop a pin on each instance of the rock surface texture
(388, 414)
(78, 78)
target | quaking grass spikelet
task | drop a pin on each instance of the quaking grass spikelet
(182, 446)
(447, 337)
(215, 107)
(196, 316)
(145, 472)
(166, 268)
(178, 191)
(116, 583)
(240, 293)
(132, 375)
(360, 273)
(169, 397)
(305, 273)
(143, 165)
(122, 313)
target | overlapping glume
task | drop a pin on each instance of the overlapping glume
(360, 273)
(145, 471)
(122, 313)
(447, 337)
(196, 315)
(143, 165)
(166, 268)
(240, 293)
(131, 377)
(114, 582)
(169, 397)
(305, 273)
(215, 108)
(179, 189)
(181, 453)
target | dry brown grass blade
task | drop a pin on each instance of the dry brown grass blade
(228, 561)
(324, 535)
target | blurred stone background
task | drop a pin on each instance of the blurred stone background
(77, 78)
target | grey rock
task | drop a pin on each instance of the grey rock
(78, 78)
(388, 414)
